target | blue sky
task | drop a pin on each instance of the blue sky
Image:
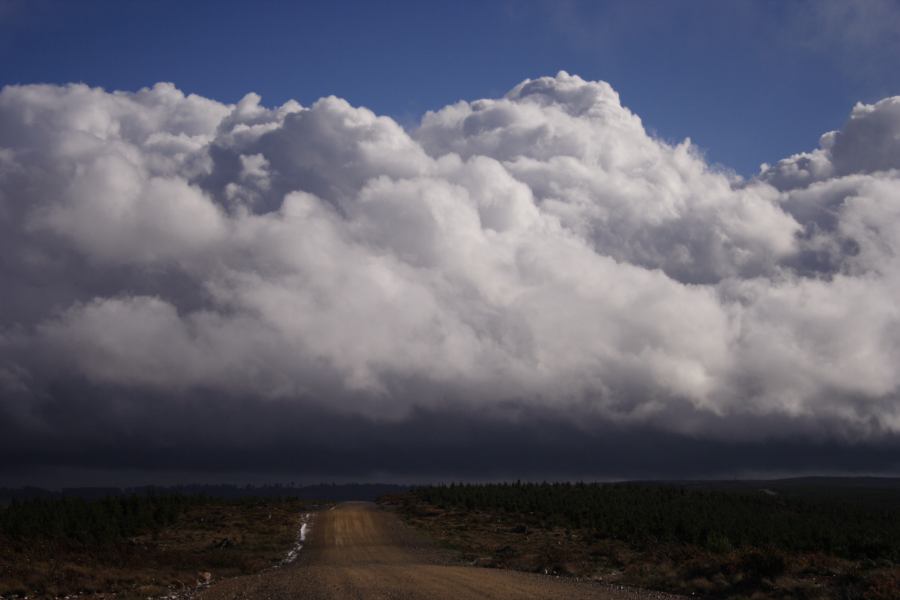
(747, 81)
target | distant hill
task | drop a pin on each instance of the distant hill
(873, 491)
(336, 492)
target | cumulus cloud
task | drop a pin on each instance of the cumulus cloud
(868, 142)
(539, 253)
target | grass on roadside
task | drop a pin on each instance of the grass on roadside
(59, 547)
(706, 543)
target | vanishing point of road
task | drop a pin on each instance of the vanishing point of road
(357, 551)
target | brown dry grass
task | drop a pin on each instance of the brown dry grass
(505, 541)
(225, 539)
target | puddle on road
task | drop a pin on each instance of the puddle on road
(294, 552)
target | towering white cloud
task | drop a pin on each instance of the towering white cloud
(537, 250)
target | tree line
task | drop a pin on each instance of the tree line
(719, 521)
(92, 522)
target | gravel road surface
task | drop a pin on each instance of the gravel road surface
(356, 551)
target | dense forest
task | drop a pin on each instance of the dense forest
(108, 520)
(92, 522)
(92, 516)
(716, 520)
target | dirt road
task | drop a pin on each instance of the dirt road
(358, 551)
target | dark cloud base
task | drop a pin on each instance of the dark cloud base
(180, 440)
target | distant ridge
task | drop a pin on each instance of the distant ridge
(336, 492)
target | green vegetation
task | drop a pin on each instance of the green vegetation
(92, 522)
(808, 538)
(715, 520)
